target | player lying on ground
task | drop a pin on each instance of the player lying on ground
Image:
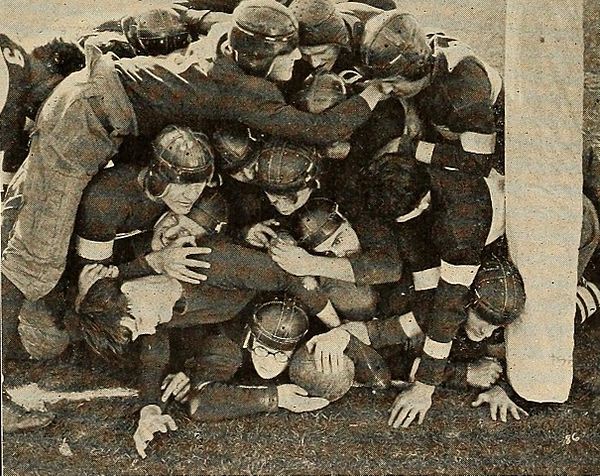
(497, 298)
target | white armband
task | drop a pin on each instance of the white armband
(478, 143)
(94, 250)
(437, 350)
(410, 326)
(426, 279)
(424, 152)
(459, 274)
(329, 316)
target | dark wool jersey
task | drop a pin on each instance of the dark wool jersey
(405, 333)
(192, 91)
(115, 206)
(462, 111)
(14, 90)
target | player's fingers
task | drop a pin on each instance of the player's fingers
(195, 263)
(326, 362)
(298, 390)
(401, 417)
(268, 231)
(503, 413)
(140, 447)
(335, 363)
(318, 403)
(493, 411)
(410, 418)
(169, 390)
(198, 250)
(271, 222)
(170, 423)
(422, 414)
(310, 345)
(161, 427)
(515, 413)
(522, 411)
(185, 279)
(479, 401)
(181, 394)
(167, 380)
(193, 275)
(318, 358)
(396, 407)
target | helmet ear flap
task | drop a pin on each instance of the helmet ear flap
(154, 184)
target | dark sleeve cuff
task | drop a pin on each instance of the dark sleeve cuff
(431, 371)
(137, 268)
(455, 375)
(386, 332)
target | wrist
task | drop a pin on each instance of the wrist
(424, 387)
(154, 262)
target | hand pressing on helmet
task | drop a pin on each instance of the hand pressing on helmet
(296, 399)
(174, 260)
(328, 350)
(500, 404)
(484, 372)
(89, 275)
(260, 235)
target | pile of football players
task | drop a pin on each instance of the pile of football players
(255, 205)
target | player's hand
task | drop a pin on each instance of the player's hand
(151, 421)
(176, 385)
(336, 151)
(259, 235)
(484, 372)
(328, 350)
(296, 399)
(90, 274)
(166, 231)
(413, 403)
(500, 404)
(174, 260)
(292, 259)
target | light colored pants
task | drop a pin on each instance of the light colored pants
(70, 143)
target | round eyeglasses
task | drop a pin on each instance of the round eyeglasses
(279, 355)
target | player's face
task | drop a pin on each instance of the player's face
(343, 242)
(268, 362)
(289, 203)
(321, 56)
(283, 65)
(476, 328)
(180, 197)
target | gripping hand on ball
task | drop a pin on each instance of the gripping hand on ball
(328, 349)
(296, 399)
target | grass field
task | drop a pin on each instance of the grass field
(350, 436)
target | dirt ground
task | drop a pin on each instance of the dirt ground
(349, 436)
